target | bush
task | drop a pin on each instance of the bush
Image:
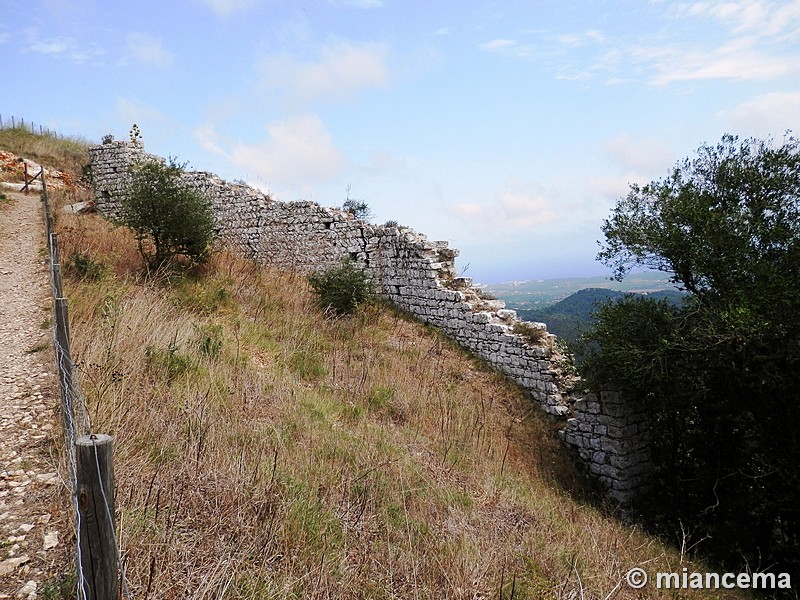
(168, 217)
(341, 289)
(358, 208)
(84, 266)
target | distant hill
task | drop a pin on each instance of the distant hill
(572, 316)
(537, 294)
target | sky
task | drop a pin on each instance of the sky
(509, 129)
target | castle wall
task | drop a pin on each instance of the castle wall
(415, 274)
(611, 436)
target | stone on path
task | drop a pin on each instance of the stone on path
(29, 481)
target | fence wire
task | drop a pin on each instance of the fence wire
(74, 413)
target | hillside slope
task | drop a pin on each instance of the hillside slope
(264, 450)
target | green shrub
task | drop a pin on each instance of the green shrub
(341, 289)
(210, 340)
(84, 266)
(168, 217)
(358, 208)
(170, 362)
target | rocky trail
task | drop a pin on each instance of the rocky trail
(33, 526)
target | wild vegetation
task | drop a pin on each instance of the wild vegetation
(264, 450)
(342, 289)
(719, 374)
(66, 154)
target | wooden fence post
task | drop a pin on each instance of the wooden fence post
(99, 560)
(64, 357)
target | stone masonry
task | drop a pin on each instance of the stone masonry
(611, 436)
(414, 273)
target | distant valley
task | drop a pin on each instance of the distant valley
(566, 305)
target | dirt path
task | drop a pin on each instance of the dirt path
(32, 527)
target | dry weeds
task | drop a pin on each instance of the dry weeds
(264, 451)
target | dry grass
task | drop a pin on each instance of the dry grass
(263, 451)
(61, 153)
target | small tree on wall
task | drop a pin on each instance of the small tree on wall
(167, 216)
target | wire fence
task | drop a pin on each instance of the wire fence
(14, 122)
(98, 575)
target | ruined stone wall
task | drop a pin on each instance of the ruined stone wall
(111, 165)
(611, 437)
(415, 274)
(412, 272)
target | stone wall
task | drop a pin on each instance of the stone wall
(611, 437)
(415, 274)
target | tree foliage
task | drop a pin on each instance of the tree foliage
(719, 375)
(168, 217)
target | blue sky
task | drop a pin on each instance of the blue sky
(508, 128)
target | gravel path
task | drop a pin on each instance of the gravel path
(32, 524)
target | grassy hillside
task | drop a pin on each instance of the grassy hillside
(263, 450)
(65, 154)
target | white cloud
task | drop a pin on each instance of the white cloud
(738, 59)
(635, 160)
(581, 39)
(226, 7)
(152, 122)
(364, 3)
(442, 31)
(513, 48)
(499, 44)
(342, 69)
(752, 17)
(508, 214)
(754, 42)
(618, 186)
(52, 46)
(298, 150)
(208, 138)
(734, 40)
(59, 47)
(147, 50)
(767, 114)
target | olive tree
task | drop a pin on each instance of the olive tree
(168, 217)
(720, 375)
